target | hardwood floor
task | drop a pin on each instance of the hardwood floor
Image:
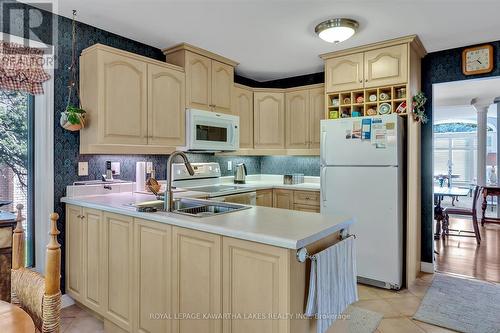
(461, 255)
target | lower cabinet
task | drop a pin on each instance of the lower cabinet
(254, 282)
(118, 269)
(283, 199)
(264, 198)
(196, 280)
(74, 252)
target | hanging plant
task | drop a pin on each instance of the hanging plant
(418, 103)
(73, 117)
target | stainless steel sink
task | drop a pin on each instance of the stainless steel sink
(191, 207)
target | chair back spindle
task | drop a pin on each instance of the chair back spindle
(18, 248)
(53, 260)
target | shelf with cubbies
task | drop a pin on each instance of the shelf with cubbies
(367, 102)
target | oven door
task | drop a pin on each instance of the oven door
(212, 131)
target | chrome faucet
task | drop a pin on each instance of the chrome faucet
(168, 198)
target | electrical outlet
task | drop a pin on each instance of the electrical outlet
(229, 165)
(115, 168)
(83, 168)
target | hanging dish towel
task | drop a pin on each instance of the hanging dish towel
(332, 283)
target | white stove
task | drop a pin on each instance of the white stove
(206, 179)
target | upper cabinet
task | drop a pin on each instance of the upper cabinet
(344, 73)
(209, 77)
(135, 105)
(386, 66)
(269, 119)
(316, 114)
(374, 67)
(243, 107)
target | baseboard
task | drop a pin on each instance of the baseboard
(427, 267)
(66, 301)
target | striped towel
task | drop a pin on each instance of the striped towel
(332, 283)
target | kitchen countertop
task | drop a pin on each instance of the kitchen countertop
(260, 182)
(277, 227)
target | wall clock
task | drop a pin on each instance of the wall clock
(477, 59)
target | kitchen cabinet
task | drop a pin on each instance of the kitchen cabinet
(166, 107)
(386, 66)
(297, 119)
(134, 104)
(375, 67)
(344, 73)
(283, 199)
(196, 279)
(254, 282)
(316, 114)
(264, 198)
(306, 201)
(118, 269)
(74, 252)
(152, 266)
(269, 119)
(209, 77)
(243, 107)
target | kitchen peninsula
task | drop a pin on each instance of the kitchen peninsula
(139, 270)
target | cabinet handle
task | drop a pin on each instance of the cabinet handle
(360, 81)
(366, 80)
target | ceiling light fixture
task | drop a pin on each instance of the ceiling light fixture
(336, 30)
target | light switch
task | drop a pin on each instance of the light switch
(83, 168)
(229, 165)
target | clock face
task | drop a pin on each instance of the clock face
(478, 60)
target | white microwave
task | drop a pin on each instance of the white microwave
(211, 131)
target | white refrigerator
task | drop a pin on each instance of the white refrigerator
(361, 175)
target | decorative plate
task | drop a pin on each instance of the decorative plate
(384, 108)
(372, 98)
(371, 112)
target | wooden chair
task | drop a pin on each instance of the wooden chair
(39, 296)
(466, 212)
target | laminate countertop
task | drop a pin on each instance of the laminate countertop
(273, 226)
(261, 182)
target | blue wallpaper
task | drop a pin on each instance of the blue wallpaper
(438, 67)
(308, 165)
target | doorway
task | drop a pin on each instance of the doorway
(465, 142)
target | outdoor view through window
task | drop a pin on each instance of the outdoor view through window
(16, 141)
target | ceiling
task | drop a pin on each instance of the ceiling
(275, 38)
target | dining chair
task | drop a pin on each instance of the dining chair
(464, 212)
(38, 295)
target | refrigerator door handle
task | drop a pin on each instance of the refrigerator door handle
(323, 147)
(322, 184)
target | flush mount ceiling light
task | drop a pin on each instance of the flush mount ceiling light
(336, 30)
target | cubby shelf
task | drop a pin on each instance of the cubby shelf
(357, 103)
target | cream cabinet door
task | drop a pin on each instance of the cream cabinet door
(198, 81)
(153, 294)
(166, 106)
(196, 285)
(344, 73)
(255, 281)
(93, 259)
(386, 66)
(124, 100)
(264, 198)
(222, 86)
(118, 272)
(269, 122)
(74, 252)
(297, 119)
(316, 113)
(283, 199)
(243, 107)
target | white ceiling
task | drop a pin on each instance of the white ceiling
(275, 38)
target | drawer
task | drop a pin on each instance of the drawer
(5, 237)
(306, 208)
(306, 197)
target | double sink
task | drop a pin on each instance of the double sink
(191, 207)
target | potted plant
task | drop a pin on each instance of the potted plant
(73, 119)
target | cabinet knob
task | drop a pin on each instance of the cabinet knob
(366, 80)
(360, 81)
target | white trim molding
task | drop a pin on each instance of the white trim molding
(427, 267)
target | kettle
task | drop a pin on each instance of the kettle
(240, 173)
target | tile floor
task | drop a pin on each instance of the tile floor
(397, 308)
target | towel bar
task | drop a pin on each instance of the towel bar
(302, 254)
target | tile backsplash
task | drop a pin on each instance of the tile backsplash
(309, 166)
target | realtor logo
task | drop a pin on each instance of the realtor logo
(31, 24)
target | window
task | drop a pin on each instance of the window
(17, 158)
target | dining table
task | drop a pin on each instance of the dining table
(489, 190)
(13, 319)
(439, 193)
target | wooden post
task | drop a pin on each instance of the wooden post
(18, 250)
(53, 260)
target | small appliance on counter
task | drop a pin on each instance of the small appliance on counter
(294, 178)
(240, 173)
